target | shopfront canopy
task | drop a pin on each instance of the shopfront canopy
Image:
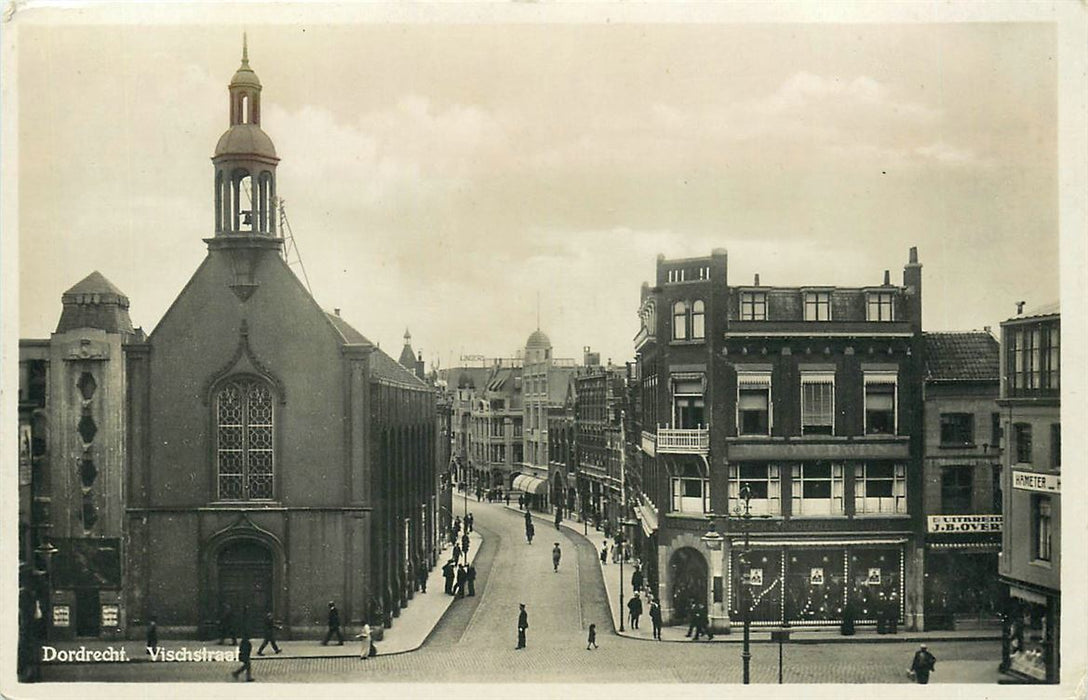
(530, 484)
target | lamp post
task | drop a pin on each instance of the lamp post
(713, 540)
(46, 550)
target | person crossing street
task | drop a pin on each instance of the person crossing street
(557, 554)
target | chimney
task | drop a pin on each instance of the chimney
(988, 329)
(1020, 307)
(914, 255)
(336, 311)
(912, 282)
(887, 278)
(757, 279)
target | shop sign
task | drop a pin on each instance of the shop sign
(874, 576)
(1032, 481)
(964, 523)
(111, 615)
(60, 615)
(755, 577)
(816, 576)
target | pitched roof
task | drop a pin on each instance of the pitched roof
(381, 365)
(966, 356)
(95, 283)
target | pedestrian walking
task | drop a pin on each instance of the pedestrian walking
(923, 664)
(557, 554)
(615, 554)
(456, 527)
(470, 522)
(558, 516)
(421, 577)
(152, 636)
(592, 641)
(226, 626)
(507, 498)
(464, 545)
(366, 649)
(521, 501)
(334, 626)
(523, 624)
(270, 628)
(634, 608)
(245, 648)
(456, 554)
(636, 580)
(460, 587)
(655, 618)
(447, 574)
(604, 553)
(693, 617)
(530, 530)
(470, 579)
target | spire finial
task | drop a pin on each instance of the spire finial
(245, 51)
(407, 337)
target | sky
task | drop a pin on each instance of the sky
(445, 177)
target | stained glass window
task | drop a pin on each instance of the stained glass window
(244, 449)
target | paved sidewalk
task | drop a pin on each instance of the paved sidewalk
(799, 635)
(409, 630)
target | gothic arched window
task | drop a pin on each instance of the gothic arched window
(244, 440)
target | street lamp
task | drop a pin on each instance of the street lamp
(45, 551)
(713, 540)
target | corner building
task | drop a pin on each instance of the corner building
(810, 397)
(277, 459)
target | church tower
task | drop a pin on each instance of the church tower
(245, 182)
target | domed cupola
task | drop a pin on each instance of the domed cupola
(245, 162)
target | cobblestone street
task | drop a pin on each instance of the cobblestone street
(474, 641)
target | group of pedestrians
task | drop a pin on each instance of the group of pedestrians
(459, 578)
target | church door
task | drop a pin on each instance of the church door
(245, 583)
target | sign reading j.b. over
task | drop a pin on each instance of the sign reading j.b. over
(964, 523)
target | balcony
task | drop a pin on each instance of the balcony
(649, 443)
(644, 336)
(683, 440)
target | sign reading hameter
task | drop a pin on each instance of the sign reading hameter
(1032, 481)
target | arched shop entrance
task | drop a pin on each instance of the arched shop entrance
(688, 570)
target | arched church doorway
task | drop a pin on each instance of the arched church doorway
(689, 580)
(245, 583)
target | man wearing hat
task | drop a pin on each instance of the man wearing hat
(334, 626)
(923, 664)
(523, 624)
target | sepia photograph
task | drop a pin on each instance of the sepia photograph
(472, 347)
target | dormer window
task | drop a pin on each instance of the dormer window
(817, 306)
(880, 306)
(753, 306)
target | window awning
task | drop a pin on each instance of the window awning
(647, 517)
(881, 377)
(530, 484)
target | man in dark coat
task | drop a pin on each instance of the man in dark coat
(530, 530)
(507, 498)
(470, 579)
(923, 664)
(152, 636)
(460, 588)
(456, 554)
(244, 650)
(421, 576)
(634, 607)
(636, 580)
(470, 522)
(334, 626)
(270, 628)
(655, 618)
(447, 574)
(604, 553)
(226, 626)
(693, 617)
(557, 554)
(464, 545)
(523, 624)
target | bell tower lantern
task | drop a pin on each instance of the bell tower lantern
(245, 163)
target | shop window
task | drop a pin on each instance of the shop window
(753, 403)
(817, 306)
(957, 429)
(957, 482)
(753, 306)
(1022, 438)
(817, 403)
(879, 306)
(817, 488)
(764, 488)
(880, 389)
(880, 487)
(1041, 527)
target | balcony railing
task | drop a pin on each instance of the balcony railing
(649, 443)
(683, 440)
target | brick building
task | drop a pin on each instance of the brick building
(962, 490)
(811, 398)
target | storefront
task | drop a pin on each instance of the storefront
(961, 591)
(1030, 646)
(807, 582)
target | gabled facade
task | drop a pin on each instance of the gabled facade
(810, 397)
